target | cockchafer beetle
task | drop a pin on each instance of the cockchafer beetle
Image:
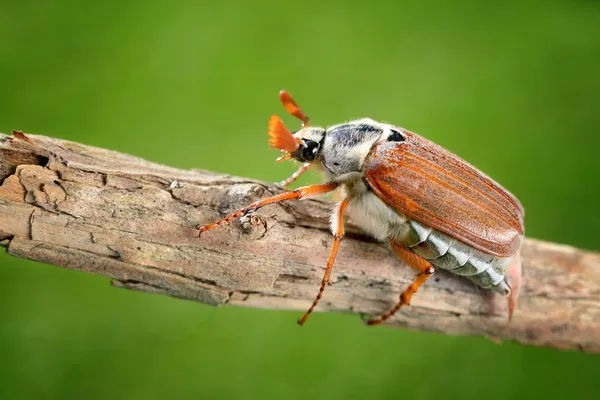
(432, 208)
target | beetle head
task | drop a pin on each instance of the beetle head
(304, 145)
(311, 141)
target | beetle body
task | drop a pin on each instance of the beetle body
(349, 153)
(433, 208)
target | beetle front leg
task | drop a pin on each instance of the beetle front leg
(295, 175)
(300, 193)
(425, 269)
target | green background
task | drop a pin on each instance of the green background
(513, 88)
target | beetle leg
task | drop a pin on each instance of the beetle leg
(425, 269)
(300, 193)
(296, 174)
(338, 227)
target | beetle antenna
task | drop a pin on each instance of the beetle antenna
(291, 107)
(281, 138)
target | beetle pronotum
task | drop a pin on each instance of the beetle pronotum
(431, 207)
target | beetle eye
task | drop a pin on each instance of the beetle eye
(310, 150)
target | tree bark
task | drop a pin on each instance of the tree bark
(134, 221)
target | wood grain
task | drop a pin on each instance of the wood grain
(95, 210)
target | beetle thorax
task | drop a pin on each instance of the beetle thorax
(347, 145)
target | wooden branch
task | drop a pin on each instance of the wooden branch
(115, 215)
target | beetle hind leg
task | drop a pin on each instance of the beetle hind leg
(425, 269)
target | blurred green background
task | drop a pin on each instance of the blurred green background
(513, 88)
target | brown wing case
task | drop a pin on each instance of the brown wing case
(427, 183)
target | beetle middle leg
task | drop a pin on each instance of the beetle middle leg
(425, 269)
(338, 235)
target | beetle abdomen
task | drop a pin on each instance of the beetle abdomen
(426, 182)
(443, 251)
(384, 223)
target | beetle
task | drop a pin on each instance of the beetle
(431, 207)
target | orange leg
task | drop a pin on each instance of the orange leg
(300, 193)
(425, 269)
(337, 238)
(296, 175)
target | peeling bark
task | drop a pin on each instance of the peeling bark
(115, 215)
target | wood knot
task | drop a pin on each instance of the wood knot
(254, 226)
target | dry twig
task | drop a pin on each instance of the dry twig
(112, 214)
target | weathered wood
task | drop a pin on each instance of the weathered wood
(112, 214)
